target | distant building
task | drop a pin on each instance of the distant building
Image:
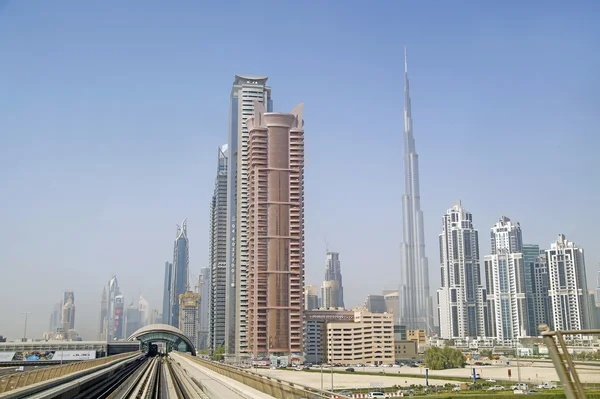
(56, 318)
(218, 253)
(132, 318)
(103, 324)
(372, 337)
(179, 275)
(392, 304)
(166, 308)
(144, 310)
(2, 339)
(506, 284)
(189, 303)
(333, 282)
(405, 349)
(68, 311)
(203, 316)
(311, 297)
(118, 318)
(375, 304)
(314, 334)
(568, 286)
(113, 292)
(418, 336)
(461, 299)
(245, 93)
(541, 298)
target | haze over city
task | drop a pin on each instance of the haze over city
(112, 113)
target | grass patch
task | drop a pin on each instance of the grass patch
(422, 376)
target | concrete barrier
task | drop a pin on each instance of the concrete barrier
(21, 379)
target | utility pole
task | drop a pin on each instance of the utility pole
(25, 329)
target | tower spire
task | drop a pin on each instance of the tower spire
(405, 61)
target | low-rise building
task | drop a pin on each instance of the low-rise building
(369, 339)
(405, 349)
(315, 332)
(419, 336)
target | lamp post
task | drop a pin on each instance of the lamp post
(332, 378)
(321, 377)
(25, 329)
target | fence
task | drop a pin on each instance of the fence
(25, 378)
(271, 386)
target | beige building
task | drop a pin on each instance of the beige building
(419, 336)
(275, 272)
(405, 349)
(368, 339)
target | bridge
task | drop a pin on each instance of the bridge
(173, 337)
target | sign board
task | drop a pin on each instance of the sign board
(74, 355)
(6, 356)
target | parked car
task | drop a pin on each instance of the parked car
(490, 380)
(496, 388)
(350, 369)
(377, 395)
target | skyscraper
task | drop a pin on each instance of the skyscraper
(179, 276)
(246, 90)
(275, 272)
(311, 297)
(113, 292)
(132, 318)
(103, 325)
(144, 309)
(166, 308)
(541, 299)
(568, 286)
(332, 283)
(505, 283)
(203, 314)
(415, 300)
(461, 299)
(68, 312)
(118, 318)
(55, 318)
(188, 304)
(531, 255)
(218, 253)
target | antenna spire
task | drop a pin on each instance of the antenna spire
(405, 61)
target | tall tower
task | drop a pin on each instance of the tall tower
(245, 92)
(568, 286)
(203, 311)
(507, 300)
(275, 232)
(218, 254)
(113, 292)
(179, 279)
(415, 300)
(462, 308)
(166, 308)
(332, 290)
(68, 312)
(103, 316)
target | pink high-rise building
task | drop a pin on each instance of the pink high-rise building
(275, 232)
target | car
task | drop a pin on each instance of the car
(377, 394)
(496, 388)
(531, 392)
(350, 369)
(490, 380)
(345, 393)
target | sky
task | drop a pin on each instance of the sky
(111, 114)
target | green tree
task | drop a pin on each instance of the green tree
(443, 358)
(487, 353)
(219, 354)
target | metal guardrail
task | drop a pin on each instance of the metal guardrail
(563, 363)
(25, 378)
(271, 386)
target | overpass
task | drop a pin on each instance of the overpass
(173, 337)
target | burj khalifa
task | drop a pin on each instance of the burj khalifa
(415, 302)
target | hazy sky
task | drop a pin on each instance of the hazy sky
(111, 113)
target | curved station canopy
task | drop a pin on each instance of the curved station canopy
(173, 337)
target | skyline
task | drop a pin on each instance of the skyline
(468, 107)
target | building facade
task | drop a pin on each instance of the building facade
(166, 307)
(204, 320)
(275, 273)
(246, 91)
(567, 286)
(113, 292)
(188, 311)
(462, 309)
(416, 310)
(218, 253)
(68, 312)
(314, 333)
(179, 275)
(368, 339)
(333, 282)
(531, 253)
(541, 297)
(506, 285)
(311, 297)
